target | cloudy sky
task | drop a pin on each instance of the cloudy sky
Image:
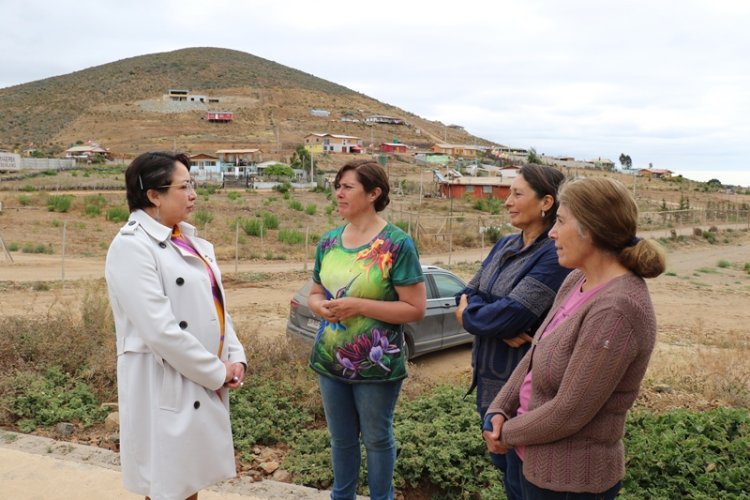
(665, 82)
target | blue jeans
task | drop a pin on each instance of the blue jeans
(533, 492)
(366, 410)
(512, 476)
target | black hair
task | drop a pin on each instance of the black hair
(544, 181)
(150, 171)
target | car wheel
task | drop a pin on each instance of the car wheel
(408, 344)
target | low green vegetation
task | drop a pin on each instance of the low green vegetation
(117, 214)
(492, 205)
(291, 236)
(59, 203)
(270, 221)
(252, 227)
(61, 368)
(202, 217)
(723, 263)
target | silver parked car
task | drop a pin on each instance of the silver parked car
(437, 330)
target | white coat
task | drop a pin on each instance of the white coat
(175, 434)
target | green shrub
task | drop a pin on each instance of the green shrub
(284, 187)
(490, 204)
(234, 195)
(94, 204)
(203, 217)
(683, 454)
(252, 227)
(45, 399)
(493, 234)
(710, 236)
(747, 267)
(13, 246)
(295, 205)
(24, 200)
(204, 191)
(59, 203)
(723, 263)
(266, 411)
(270, 221)
(92, 211)
(291, 236)
(117, 214)
(28, 188)
(311, 208)
(95, 200)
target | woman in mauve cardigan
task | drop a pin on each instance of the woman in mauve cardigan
(563, 410)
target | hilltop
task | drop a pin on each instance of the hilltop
(121, 106)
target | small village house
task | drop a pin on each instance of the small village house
(459, 150)
(205, 167)
(332, 143)
(220, 116)
(387, 120)
(456, 186)
(655, 173)
(87, 152)
(393, 147)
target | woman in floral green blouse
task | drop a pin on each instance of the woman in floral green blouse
(368, 282)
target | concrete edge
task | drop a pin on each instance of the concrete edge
(100, 457)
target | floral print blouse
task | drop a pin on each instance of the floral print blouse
(362, 349)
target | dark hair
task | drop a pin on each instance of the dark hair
(150, 171)
(371, 175)
(544, 181)
(607, 212)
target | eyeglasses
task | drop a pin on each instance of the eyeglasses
(189, 186)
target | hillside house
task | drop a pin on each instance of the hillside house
(393, 147)
(205, 167)
(239, 162)
(333, 143)
(654, 173)
(321, 113)
(178, 94)
(475, 187)
(459, 150)
(220, 116)
(87, 152)
(387, 120)
(186, 95)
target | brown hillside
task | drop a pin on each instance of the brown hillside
(120, 105)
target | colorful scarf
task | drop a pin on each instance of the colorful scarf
(184, 244)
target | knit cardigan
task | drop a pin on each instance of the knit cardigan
(586, 376)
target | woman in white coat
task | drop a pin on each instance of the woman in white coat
(177, 352)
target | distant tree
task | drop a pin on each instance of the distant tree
(301, 158)
(279, 170)
(650, 165)
(625, 161)
(533, 157)
(714, 183)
